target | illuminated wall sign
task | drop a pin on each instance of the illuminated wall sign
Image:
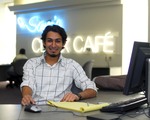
(78, 44)
(103, 42)
(36, 24)
(99, 44)
(37, 45)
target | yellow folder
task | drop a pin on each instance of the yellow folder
(78, 106)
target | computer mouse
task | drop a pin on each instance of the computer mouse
(32, 108)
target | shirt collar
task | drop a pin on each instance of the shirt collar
(61, 59)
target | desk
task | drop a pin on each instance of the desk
(10, 111)
(16, 112)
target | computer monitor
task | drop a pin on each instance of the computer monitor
(136, 76)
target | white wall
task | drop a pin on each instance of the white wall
(135, 27)
(8, 35)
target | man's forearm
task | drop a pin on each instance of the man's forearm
(88, 93)
(26, 91)
(27, 96)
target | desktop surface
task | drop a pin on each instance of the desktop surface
(16, 112)
(10, 111)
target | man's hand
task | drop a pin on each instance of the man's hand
(70, 97)
(27, 99)
(27, 96)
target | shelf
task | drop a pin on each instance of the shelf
(61, 4)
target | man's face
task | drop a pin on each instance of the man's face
(53, 44)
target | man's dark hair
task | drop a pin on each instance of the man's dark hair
(57, 29)
(22, 51)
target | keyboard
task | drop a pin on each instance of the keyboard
(124, 106)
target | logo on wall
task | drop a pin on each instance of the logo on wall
(36, 24)
(77, 44)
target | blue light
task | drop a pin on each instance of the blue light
(36, 24)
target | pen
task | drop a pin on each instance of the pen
(87, 104)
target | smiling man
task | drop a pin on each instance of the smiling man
(50, 76)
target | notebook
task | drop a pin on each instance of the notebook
(78, 106)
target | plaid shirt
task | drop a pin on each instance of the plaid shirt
(53, 82)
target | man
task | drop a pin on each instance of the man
(21, 55)
(50, 76)
(11, 72)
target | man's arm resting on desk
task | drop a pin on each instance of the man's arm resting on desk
(27, 96)
(88, 93)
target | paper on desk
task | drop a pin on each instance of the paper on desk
(78, 106)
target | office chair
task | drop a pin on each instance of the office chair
(87, 67)
(18, 70)
(75, 89)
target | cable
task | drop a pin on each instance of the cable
(132, 114)
(146, 112)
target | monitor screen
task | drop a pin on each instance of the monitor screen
(135, 79)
